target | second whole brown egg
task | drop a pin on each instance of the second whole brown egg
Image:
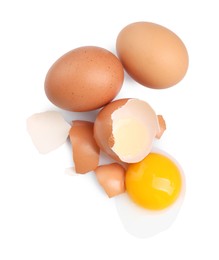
(153, 55)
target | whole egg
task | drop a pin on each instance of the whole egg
(84, 79)
(152, 55)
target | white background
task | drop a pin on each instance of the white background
(45, 214)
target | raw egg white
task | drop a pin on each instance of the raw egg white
(142, 222)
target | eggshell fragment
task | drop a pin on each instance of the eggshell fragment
(162, 126)
(48, 130)
(84, 79)
(125, 129)
(85, 150)
(103, 127)
(112, 178)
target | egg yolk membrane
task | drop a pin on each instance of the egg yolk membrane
(154, 183)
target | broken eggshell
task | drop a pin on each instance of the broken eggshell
(112, 178)
(48, 130)
(162, 125)
(85, 150)
(125, 129)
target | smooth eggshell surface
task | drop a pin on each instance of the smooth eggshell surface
(84, 79)
(152, 55)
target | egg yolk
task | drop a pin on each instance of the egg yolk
(154, 183)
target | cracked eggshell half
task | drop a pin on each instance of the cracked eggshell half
(125, 129)
(85, 150)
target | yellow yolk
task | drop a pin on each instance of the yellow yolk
(154, 183)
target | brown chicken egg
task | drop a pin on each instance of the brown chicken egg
(125, 129)
(152, 55)
(84, 79)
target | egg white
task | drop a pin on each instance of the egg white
(145, 223)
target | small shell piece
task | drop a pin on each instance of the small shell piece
(85, 150)
(112, 178)
(162, 125)
(48, 130)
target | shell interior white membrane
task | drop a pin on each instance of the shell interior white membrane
(48, 130)
(134, 128)
(143, 223)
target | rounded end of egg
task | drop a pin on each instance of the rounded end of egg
(125, 129)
